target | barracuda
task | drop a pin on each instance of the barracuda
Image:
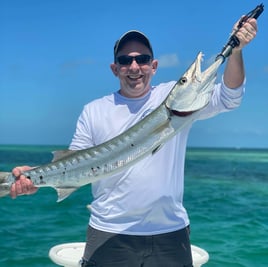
(70, 170)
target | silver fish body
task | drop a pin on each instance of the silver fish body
(72, 169)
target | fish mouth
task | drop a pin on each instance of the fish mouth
(182, 113)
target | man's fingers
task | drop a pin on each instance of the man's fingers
(21, 187)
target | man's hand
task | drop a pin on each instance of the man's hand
(246, 33)
(22, 185)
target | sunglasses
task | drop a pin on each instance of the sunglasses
(127, 60)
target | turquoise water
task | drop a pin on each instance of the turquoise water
(226, 195)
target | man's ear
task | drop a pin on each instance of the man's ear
(154, 65)
(114, 69)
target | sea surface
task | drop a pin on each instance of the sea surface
(226, 195)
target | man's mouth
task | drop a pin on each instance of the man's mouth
(134, 77)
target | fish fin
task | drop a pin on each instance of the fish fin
(4, 183)
(60, 154)
(64, 192)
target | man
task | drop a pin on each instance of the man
(137, 216)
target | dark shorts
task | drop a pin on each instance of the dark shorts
(113, 250)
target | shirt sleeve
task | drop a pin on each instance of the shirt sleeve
(223, 99)
(82, 137)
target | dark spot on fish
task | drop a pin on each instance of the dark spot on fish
(182, 80)
(28, 177)
(156, 149)
(64, 171)
(93, 170)
(41, 179)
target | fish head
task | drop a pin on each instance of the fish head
(193, 90)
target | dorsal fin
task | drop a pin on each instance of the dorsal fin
(60, 154)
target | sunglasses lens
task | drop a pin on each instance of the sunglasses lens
(124, 60)
(143, 59)
(127, 60)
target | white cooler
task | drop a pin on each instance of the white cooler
(69, 254)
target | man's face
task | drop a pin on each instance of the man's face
(134, 78)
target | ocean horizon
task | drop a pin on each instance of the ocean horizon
(226, 196)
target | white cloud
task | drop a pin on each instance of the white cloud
(168, 60)
(74, 64)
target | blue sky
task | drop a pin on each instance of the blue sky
(55, 57)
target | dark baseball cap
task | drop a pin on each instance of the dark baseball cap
(129, 36)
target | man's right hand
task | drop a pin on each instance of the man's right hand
(22, 185)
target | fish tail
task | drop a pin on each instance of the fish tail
(4, 183)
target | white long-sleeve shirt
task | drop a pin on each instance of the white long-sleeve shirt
(147, 198)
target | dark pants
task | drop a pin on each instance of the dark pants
(113, 250)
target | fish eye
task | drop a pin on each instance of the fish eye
(182, 80)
